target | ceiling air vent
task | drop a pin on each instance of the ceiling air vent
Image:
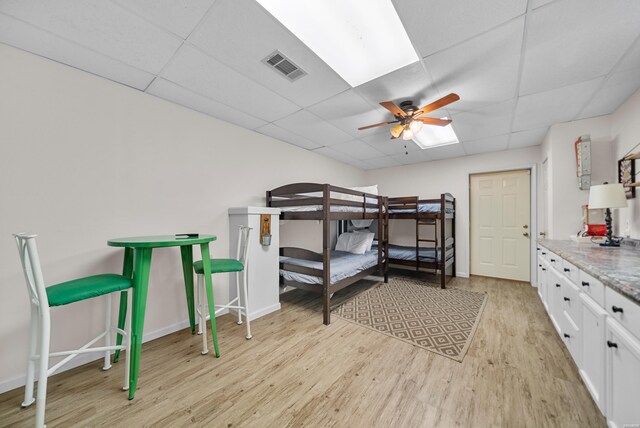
(284, 66)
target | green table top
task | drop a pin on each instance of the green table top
(159, 241)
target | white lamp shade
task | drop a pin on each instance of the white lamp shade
(607, 196)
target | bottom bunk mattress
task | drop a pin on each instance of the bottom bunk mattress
(409, 253)
(343, 265)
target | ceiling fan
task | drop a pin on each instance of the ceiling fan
(408, 117)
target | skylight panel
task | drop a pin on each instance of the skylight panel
(360, 40)
(434, 136)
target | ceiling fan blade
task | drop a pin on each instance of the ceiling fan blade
(433, 121)
(446, 100)
(393, 108)
(396, 131)
(377, 124)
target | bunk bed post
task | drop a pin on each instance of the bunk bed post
(443, 240)
(385, 202)
(268, 198)
(453, 235)
(380, 238)
(326, 254)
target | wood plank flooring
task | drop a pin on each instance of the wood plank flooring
(297, 372)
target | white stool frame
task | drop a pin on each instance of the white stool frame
(40, 331)
(242, 254)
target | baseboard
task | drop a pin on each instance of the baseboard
(260, 312)
(462, 275)
(19, 381)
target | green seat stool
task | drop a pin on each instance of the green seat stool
(42, 298)
(240, 302)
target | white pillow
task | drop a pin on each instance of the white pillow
(370, 236)
(356, 243)
(366, 189)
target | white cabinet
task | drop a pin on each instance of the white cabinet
(263, 260)
(592, 367)
(601, 329)
(622, 376)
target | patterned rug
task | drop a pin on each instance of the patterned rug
(441, 321)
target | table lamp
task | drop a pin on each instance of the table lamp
(608, 196)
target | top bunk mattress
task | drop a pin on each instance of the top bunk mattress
(422, 208)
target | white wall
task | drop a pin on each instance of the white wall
(564, 197)
(430, 179)
(625, 131)
(83, 159)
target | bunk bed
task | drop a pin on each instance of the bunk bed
(435, 253)
(330, 271)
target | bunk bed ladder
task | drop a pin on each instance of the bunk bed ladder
(434, 241)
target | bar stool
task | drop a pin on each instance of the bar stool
(42, 298)
(238, 265)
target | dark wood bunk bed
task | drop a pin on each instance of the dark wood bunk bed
(438, 252)
(326, 203)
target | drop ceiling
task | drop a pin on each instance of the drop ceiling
(519, 66)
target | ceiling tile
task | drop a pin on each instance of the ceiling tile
(613, 93)
(483, 70)
(383, 143)
(249, 34)
(184, 97)
(492, 120)
(575, 40)
(178, 16)
(383, 162)
(278, 133)
(533, 137)
(537, 3)
(200, 73)
(444, 152)
(550, 107)
(348, 111)
(102, 26)
(485, 145)
(358, 150)
(412, 157)
(334, 154)
(24, 36)
(313, 128)
(438, 24)
(408, 83)
(360, 164)
(631, 60)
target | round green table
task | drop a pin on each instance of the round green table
(137, 264)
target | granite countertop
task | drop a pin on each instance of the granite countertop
(617, 268)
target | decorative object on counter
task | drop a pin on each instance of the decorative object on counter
(608, 196)
(626, 176)
(583, 161)
(265, 229)
(592, 223)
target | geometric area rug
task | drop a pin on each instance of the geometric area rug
(441, 321)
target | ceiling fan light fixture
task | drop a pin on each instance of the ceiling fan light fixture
(407, 134)
(415, 126)
(396, 131)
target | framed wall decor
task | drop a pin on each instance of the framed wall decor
(626, 176)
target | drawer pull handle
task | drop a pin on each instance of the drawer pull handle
(566, 299)
(585, 284)
(543, 269)
(539, 265)
(566, 335)
(611, 344)
(616, 309)
(553, 260)
(558, 285)
(567, 270)
(544, 254)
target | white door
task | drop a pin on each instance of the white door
(500, 226)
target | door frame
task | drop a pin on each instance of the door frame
(533, 214)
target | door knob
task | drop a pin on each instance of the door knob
(526, 226)
(526, 234)
(543, 234)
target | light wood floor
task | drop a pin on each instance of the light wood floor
(297, 372)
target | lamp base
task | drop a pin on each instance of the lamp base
(610, 244)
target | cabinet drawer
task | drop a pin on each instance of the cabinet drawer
(622, 376)
(592, 287)
(570, 300)
(623, 310)
(571, 272)
(594, 348)
(572, 337)
(554, 261)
